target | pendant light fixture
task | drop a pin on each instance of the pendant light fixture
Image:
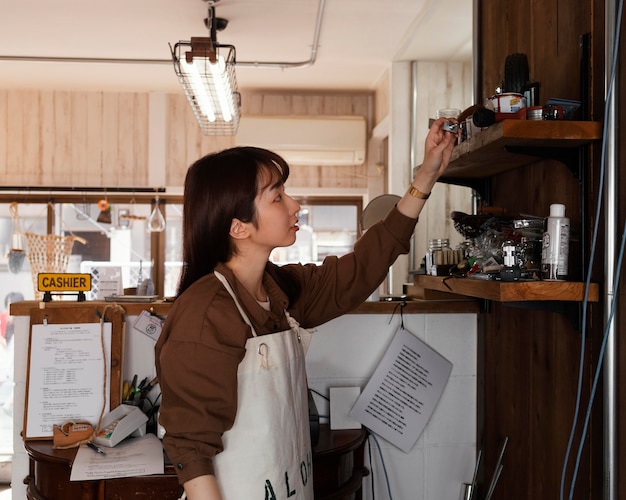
(206, 71)
(156, 221)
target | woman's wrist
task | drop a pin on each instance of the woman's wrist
(415, 192)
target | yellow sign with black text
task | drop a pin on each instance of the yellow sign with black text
(64, 282)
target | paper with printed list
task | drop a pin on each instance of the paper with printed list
(404, 390)
(132, 457)
(66, 375)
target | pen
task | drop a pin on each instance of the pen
(96, 449)
(125, 391)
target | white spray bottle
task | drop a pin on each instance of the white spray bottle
(555, 250)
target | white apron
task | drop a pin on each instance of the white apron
(267, 453)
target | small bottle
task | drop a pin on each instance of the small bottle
(555, 249)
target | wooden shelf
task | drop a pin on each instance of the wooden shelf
(518, 291)
(498, 148)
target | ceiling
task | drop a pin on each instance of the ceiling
(357, 41)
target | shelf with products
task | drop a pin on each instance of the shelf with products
(504, 146)
(563, 297)
(510, 291)
(510, 144)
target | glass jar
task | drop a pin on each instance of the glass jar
(530, 253)
(435, 246)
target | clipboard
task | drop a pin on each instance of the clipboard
(64, 352)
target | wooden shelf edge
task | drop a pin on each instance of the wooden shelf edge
(484, 154)
(518, 291)
(443, 305)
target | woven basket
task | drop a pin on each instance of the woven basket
(48, 253)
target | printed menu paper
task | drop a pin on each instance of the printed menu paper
(140, 456)
(404, 390)
(66, 375)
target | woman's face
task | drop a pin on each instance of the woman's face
(277, 215)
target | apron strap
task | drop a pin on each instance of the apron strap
(230, 290)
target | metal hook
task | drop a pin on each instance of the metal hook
(401, 305)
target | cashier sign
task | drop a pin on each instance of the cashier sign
(63, 282)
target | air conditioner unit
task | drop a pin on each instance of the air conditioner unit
(307, 140)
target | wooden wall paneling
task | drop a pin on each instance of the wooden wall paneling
(186, 143)
(554, 379)
(349, 176)
(94, 148)
(132, 165)
(531, 357)
(31, 169)
(110, 121)
(277, 104)
(308, 105)
(80, 139)
(124, 150)
(60, 171)
(440, 85)
(506, 402)
(305, 176)
(251, 103)
(47, 140)
(193, 138)
(547, 32)
(178, 125)
(4, 127)
(176, 158)
(14, 137)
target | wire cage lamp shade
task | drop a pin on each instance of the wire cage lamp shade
(206, 71)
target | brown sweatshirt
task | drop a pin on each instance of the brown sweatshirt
(204, 336)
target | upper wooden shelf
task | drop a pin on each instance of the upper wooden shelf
(515, 291)
(498, 147)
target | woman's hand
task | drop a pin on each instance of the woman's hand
(437, 153)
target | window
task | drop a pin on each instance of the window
(328, 226)
(111, 236)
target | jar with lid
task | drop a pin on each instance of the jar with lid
(530, 253)
(435, 246)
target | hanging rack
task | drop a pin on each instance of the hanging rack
(62, 194)
(87, 189)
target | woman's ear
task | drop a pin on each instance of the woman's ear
(238, 229)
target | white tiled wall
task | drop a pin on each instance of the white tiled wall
(345, 352)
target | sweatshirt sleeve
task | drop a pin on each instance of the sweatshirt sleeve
(197, 357)
(340, 284)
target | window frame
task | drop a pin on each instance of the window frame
(54, 196)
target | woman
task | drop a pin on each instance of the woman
(230, 359)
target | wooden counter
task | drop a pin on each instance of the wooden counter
(449, 306)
